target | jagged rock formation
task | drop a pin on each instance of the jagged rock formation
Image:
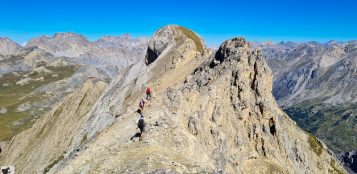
(168, 35)
(210, 113)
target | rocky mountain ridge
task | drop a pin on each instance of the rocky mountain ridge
(211, 113)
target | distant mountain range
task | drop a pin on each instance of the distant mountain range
(110, 54)
(40, 74)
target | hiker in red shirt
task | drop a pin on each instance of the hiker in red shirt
(148, 93)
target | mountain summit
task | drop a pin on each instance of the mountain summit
(210, 113)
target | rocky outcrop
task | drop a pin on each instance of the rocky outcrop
(171, 36)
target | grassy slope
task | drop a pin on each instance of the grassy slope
(334, 124)
(13, 96)
(190, 34)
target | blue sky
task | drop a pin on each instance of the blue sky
(215, 21)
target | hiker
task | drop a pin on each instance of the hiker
(142, 104)
(141, 126)
(148, 93)
(272, 126)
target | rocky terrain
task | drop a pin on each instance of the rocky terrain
(316, 84)
(210, 113)
(37, 76)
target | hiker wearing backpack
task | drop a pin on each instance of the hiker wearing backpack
(141, 126)
(148, 93)
(142, 104)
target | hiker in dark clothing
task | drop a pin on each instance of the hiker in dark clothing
(272, 126)
(148, 93)
(141, 126)
(6, 170)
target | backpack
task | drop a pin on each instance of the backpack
(141, 123)
(148, 90)
(141, 104)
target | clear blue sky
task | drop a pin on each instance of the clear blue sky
(215, 21)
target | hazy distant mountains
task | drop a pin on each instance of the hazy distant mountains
(312, 70)
(38, 75)
(109, 53)
(317, 85)
(7, 46)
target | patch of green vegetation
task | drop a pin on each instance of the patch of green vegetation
(336, 170)
(81, 102)
(336, 125)
(315, 145)
(190, 34)
(84, 138)
(49, 167)
(12, 96)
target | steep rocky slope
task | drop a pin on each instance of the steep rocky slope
(210, 113)
(50, 137)
(316, 84)
(31, 82)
